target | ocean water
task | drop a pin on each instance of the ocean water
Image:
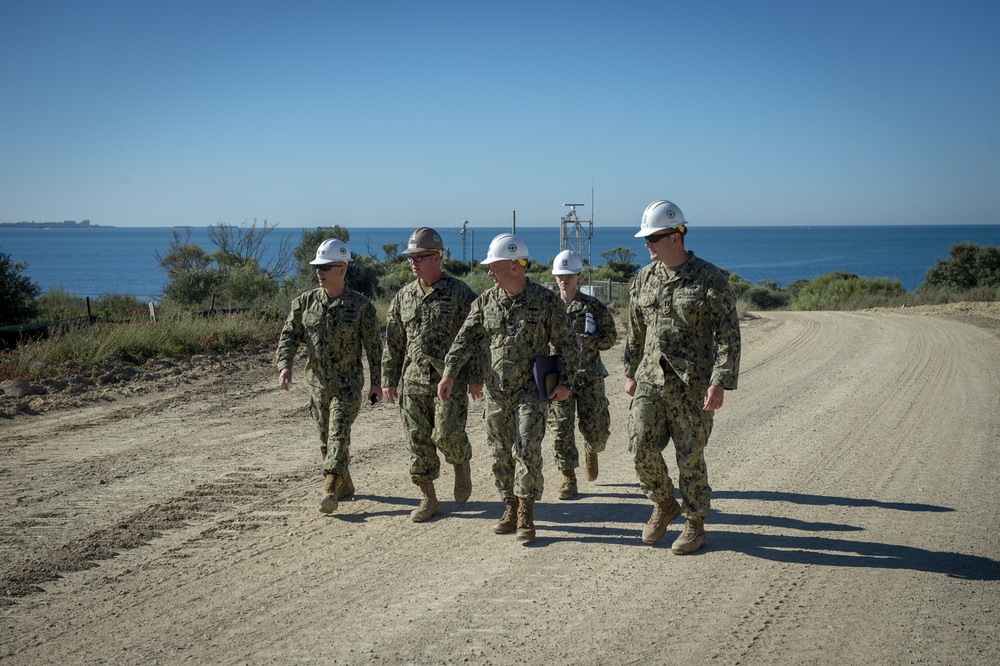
(105, 260)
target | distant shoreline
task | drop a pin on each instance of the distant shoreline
(68, 224)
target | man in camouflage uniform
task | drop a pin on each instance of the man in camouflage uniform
(421, 324)
(522, 320)
(594, 328)
(335, 323)
(683, 352)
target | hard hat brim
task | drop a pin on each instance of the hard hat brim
(652, 231)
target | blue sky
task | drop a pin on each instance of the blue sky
(406, 114)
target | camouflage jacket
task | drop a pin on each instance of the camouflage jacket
(334, 333)
(591, 365)
(518, 329)
(687, 322)
(420, 329)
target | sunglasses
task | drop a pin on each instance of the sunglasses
(416, 259)
(323, 268)
(656, 238)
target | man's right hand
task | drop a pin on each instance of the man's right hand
(285, 379)
(630, 385)
(389, 393)
(444, 388)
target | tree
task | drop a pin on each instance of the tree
(17, 292)
(182, 255)
(240, 270)
(391, 251)
(968, 266)
(620, 262)
(238, 246)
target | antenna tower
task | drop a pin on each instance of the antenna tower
(575, 234)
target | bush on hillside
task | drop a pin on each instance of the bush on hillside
(230, 277)
(765, 295)
(968, 266)
(193, 287)
(455, 267)
(17, 292)
(762, 298)
(847, 291)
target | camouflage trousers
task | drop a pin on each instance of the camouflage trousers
(659, 414)
(588, 406)
(514, 430)
(334, 411)
(432, 425)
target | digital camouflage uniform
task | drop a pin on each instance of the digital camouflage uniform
(519, 329)
(419, 331)
(684, 336)
(587, 401)
(334, 333)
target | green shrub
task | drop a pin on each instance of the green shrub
(194, 287)
(762, 298)
(620, 264)
(765, 295)
(846, 291)
(968, 266)
(455, 267)
(17, 292)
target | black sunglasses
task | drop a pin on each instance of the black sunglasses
(656, 238)
(324, 267)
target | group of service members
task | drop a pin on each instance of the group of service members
(534, 357)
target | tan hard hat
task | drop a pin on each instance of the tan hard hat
(424, 239)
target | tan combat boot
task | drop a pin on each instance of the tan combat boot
(346, 488)
(590, 464)
(526, 521)
(463, 482)
(508, 522)
(691, 539)
(663, 513)
(567, 489)
(332, 485)
(429, 505)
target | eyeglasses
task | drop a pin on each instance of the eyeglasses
(656, 238)
(417, 258)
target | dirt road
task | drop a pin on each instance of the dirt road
(856, 486)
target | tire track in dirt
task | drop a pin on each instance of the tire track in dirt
(238, 495)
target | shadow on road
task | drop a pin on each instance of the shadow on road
(574, 521)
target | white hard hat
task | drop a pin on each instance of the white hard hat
(567, 262)
(331, 250)
(660, 216)
(506, 247)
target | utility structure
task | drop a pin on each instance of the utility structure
(575, 234)
(463, 231)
